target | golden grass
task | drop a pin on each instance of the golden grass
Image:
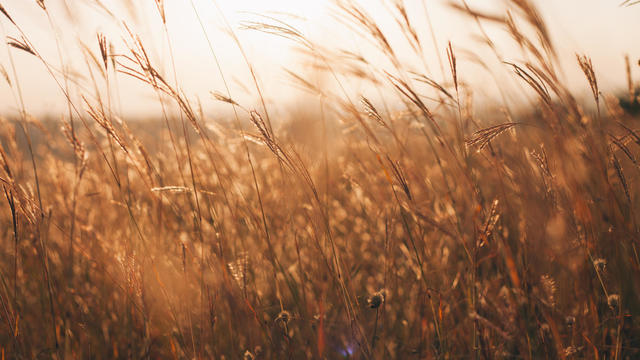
(409, 227)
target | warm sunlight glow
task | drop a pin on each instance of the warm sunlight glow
(80, 20)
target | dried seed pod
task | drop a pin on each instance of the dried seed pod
(570, 321)
(283, 317)
(613, 301)
(377, 299)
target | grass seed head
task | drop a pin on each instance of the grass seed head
(600, 264)
(248, 355)
(570, 321)
(283, 317)
(613, 301)
(377, 299)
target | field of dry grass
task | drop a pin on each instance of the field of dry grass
(405, 227)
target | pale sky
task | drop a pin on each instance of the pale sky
(599, 28)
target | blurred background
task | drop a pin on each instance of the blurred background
(600, 29)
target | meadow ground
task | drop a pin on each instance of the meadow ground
(405, 227)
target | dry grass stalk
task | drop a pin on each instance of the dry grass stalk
(6, 14)
(587, 68)
(482, 138)
(104, 51)
(5, 75)
(20, 44)
(630, 87)
(629, 2)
